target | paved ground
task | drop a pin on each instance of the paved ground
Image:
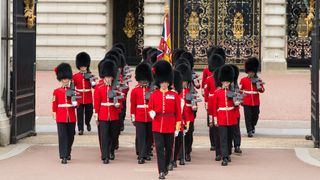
(278, 150)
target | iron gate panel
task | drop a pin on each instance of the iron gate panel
(23, 75)
(233, 25)
(299, 32)
(128, 22)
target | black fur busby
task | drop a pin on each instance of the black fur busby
(210, 50)
(121, 46)
(252, 64)
(152, 57)
(109, 68)
(189, 57)
(215, 61)
(63, 71)
(176, 54)
(236, 73)
(83, 59)
(163, 72)
(100, 66)
(185, 71)
(143, 72)
(121, 57)
(177, 81)
(216, 78)
(182, 61)
(145, 53)
(226, 73)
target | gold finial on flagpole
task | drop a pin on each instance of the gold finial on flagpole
(166, 7)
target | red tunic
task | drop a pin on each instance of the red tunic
(83, 88)
(139, 106)
(187, 113)
(252, 93)
(61, 105)
(223, 108)
(209, 90)
(205, 74)
(167, 106)
(104, 106)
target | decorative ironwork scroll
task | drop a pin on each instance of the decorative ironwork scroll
(140, 29)
(199, 28)
(238, 29)
(300, 14)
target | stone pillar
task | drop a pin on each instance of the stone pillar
(153, 21)
(274, 40)
(4, 120)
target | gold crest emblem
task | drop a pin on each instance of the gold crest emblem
(129, 25)
(29, 12)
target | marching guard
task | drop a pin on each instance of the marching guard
(63, 109)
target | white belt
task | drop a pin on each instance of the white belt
(107, 104)
(225, 108)
(189, 105)
(64, 105)
(142, 106)
(83, 90)
(210, 95)
(251, 92)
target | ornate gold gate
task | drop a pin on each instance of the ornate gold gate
(233, 25)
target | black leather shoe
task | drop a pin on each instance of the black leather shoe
(188, 157)
(106, 161)
(80, 132)
(69, 158)
(170, 167)
(148, 158)
(112, 156)
(218, 158)
(89, 127)
(254, 130)
(64, 161)
(212, 148)
(224, 162)
(151, 154)
(182, 162)
(162, 176)
(250, 135)
(229, 159)
(141, 161)
(237, 150)
(166, 172)
(174, 163)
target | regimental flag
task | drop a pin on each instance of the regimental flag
(165, 41)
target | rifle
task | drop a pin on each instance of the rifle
(192, 96)
(113, 94)
(256, 80)
(91, 78)
(71, 93)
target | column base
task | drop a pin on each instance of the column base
(278, 66)
(4, 128)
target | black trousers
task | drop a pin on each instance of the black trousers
(108, 134)
(163, 143)
(237, 134)
(66, 132)
(215, 138)
(251, 115)
(144, 136)
(211, 133)
(123, 115)
(189, 138)
(226, 135)
(177, 154)
(84, 111)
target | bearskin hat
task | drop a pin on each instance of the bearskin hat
(252, 64)
(182, 61)
(215, 61)
(189, 57)
(100, 66)
(121, 46)
(63, 71)
(216, 78)
(116, 57)
(83, 59)
(109, 68)
(177, 81)
(236, 73)
(185, 71)
(152, 58)
(145, 53)
(226, 73)
(122, 59)
(176, 54)
(163, 72)
(143, 72)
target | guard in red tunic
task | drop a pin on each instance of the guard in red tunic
(215, 62)
(251, 86)
(107, 111)
(164, 109)
(64, 111)
(84, 81)
(224, 112)
(139, 99)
